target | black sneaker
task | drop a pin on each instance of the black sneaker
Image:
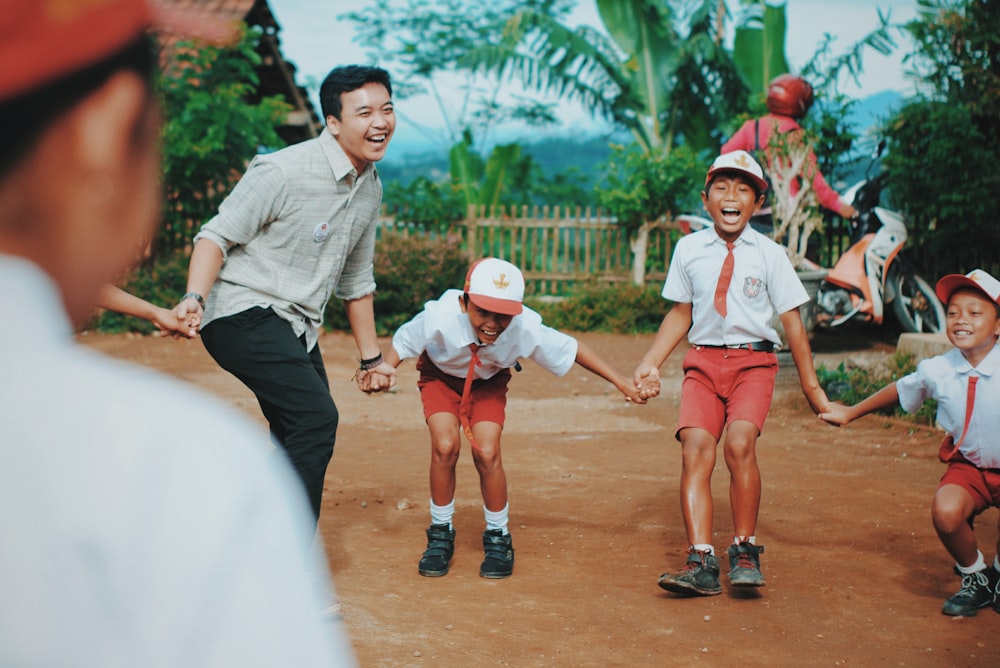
(744, 565)
(440, 547)
(499, 549)
(700, 576)
(978, 591)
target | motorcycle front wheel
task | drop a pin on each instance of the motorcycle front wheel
(916, 306)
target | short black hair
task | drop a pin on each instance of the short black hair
(25, 118)
(344, 79)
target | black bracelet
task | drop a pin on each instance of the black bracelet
(368, 365)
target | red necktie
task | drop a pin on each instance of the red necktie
(725, 276)
(949, 450)
(970, 399)
(465, 408)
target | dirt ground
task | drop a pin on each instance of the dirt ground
(855, 574)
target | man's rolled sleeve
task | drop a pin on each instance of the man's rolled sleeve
(358, 276)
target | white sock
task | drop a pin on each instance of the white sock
(996, 563)
(496, 519)
(749, 539)
(974, 568)
(704, 547)
(443, 514)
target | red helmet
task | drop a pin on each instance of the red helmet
(789, 95)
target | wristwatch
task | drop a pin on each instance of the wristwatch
(195, 296)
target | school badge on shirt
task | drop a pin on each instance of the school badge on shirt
(752, 287)
(321, 232)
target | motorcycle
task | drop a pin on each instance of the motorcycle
(873, 272)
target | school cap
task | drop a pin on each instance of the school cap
(42, 40)
(741, 162)
(977, 279)
(495, 285)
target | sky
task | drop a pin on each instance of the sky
(315, 38)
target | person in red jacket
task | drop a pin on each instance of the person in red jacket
(788, 100)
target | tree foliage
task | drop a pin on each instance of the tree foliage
(660, 71)
(211, 130)
(943, 144)
(642, 188)
(425, 44)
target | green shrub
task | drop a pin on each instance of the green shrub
(161, 283)
(851, 385)
(619, 309)
(409, 271)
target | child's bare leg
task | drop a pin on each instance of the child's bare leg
(697, 463)
(446, 445)
(492, 478)
(951, 510)
(740, 451)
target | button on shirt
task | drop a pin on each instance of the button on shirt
(945, 378)
(298, 227)
(444, 332)
(764, 282)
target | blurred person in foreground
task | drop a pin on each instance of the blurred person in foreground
(144, 523)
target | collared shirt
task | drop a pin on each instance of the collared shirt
(298, 227)
(764, 283)
(144, 522)
(444, 332)
(945, 378)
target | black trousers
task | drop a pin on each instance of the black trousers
(290, 384)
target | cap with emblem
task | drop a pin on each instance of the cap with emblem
(741, 162)
(977, 279)
(495, 285)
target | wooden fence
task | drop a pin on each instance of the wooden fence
(556, 248)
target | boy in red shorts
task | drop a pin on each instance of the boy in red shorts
(467, 341)
(726, 282)
(965, 381)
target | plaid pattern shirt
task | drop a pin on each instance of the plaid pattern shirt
(298, 227)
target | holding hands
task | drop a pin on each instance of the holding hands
(836, 414)
(375, 375)
(647, 379)
(190, 311)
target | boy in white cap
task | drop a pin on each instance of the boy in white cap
(467, 341)
(726, 282)
(965, 381)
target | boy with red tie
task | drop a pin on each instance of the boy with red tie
(466, 343)
(966, 384)
(726, 282)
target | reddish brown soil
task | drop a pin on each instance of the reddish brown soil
(855, 573)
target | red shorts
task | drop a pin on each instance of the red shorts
(724, 385)
(982, 484)
(441, 393)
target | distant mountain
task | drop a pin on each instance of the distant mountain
(873, 111)
(590, 152)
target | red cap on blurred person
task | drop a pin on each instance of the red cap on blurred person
(42, 40)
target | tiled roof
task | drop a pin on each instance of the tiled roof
(277, 75)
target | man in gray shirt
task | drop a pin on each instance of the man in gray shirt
(298, 227)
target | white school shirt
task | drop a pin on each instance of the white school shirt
(945, 378)
(764, 282)
(444, 332)
(142, 521)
